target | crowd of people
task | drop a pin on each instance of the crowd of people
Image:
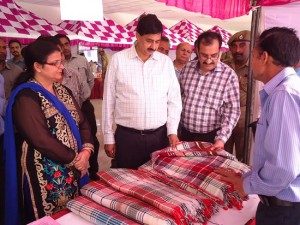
(48, 141)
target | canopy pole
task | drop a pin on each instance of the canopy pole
(254, 31)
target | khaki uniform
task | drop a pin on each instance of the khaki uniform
(237, 137)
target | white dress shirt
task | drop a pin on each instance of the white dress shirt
(140, 95)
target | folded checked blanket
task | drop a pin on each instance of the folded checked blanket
(184, 207)
(148, 169)
(135, 209)
(191, 165)
(95, 213)
(231, 198)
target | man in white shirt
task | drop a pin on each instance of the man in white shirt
(142, 96)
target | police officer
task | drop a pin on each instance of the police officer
(239, 45)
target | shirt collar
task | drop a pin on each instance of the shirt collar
(277, 79)
(21, 60)
(298, 71)
(7, 66)
(73, 56)
(133, 54)
(232, 64)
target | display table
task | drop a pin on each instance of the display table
(223, 217)
(97, 91)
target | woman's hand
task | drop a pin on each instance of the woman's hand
(83, 172)
(82, 160)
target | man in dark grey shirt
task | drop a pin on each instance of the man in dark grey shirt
(9, 71)
(80, 63)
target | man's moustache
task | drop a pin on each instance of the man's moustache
(238, 54)
(208, 63)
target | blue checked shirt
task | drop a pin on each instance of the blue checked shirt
(276, 155)
(210, 101)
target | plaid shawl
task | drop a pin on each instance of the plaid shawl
(131, 207)
(183, 206)
(193, 163)
(95, 213)
(147, 168)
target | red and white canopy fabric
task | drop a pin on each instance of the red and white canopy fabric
(16, 22)
(225, 36)
(222, 9)
(275, 2)
(175, 39)
(188, 30)
(106, 33)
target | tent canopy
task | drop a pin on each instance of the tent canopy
(188, 30)
(225, 36)
(16, 22)
(106, 33)
(222, 9)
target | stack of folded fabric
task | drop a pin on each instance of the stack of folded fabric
(191, 166)
(95, 213)
(178, 186)
(184, 207)
(133, 208)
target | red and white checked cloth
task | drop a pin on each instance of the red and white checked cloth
(193, 163)
(147, 168)
(135, 209)
(95, 213)
(183, 206)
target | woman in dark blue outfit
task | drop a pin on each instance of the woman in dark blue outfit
(56, 142)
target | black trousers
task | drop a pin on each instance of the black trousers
(134, 149)
(185, 135)
(281, 215)
(88, 110)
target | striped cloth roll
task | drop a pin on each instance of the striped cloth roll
(95, 213)
(131, 207)
(183, 206)
(193, 164)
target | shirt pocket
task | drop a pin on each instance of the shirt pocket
(211, 102)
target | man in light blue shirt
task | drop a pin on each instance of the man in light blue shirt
(275, 176)
(297, 68)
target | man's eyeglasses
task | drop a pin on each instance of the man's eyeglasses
(206, 57)
(56, 63)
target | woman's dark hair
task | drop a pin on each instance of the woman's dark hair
(38, 51)
(282, 44)
(207, 38)
(149, 24)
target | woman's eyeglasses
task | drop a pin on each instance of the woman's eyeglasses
(56, 63)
